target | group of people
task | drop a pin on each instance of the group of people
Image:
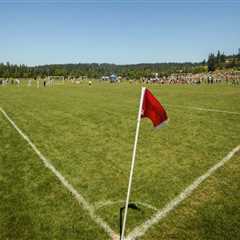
(10, 81)
(17, 82)
(209, 78)
(188, 78)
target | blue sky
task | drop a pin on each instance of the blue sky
(43, 32)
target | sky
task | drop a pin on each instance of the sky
(36, 32)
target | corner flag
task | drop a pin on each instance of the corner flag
(151, 108)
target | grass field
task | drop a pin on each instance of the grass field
(87, 133)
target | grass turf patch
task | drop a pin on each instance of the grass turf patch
(87, 133)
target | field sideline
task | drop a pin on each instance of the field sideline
(87, 133)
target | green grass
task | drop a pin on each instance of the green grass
(88, 133)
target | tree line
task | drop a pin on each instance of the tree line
(130, 71)
(95, 70)
(221, 61)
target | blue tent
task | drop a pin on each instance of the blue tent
(113, 78)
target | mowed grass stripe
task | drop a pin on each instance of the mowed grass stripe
(86, 206)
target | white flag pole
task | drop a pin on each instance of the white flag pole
(133, 162)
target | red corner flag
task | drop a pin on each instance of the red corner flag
(151, 108)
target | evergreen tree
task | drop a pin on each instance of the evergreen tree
(222, 58)
(211, 63)
(218, 60)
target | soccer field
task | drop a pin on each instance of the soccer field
(83, 138)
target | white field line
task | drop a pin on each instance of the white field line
(141, 230)
(203, 109)
(81, 200)
(102, 204)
